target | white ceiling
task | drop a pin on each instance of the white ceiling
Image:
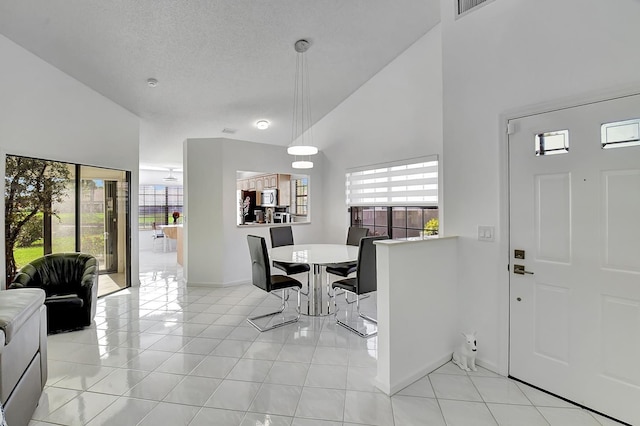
(220, 63)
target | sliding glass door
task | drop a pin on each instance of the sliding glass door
(53, 207)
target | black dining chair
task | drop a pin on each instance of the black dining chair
(157, 235)
(354, 235)
(262, 278)
(364, 282)
(283, 236)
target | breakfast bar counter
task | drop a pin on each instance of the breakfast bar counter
(417, 309)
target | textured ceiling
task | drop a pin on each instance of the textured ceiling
(220, 64)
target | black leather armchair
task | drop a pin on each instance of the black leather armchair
(70, 281)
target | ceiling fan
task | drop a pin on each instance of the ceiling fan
(171, 177)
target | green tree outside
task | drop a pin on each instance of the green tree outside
(32, 186)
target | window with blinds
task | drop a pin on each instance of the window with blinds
(406, 183)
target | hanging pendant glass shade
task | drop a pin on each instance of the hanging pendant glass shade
(302, 164)
(302, 150)
(301, 123)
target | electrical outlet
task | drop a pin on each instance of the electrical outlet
(486, 233)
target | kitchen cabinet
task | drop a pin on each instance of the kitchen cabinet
(270, 181)
(281, 182)
(284, 190)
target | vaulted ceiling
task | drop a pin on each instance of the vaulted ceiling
(219, 63)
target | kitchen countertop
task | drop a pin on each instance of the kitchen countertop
(254, 224)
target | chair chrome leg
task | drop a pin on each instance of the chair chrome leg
(275, 295)
(308, 289)
(282, 308)
(333, 300)
(361, 315)
(341, 292)
(361, 297)
(330, 290)
(368, 318)
(346, 297)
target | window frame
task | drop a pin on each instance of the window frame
(301, 192)
(388, 223)
(404, 185)
(156, 204)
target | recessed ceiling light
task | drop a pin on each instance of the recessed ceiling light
(152, 82)
(262, 124)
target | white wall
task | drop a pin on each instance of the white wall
(416, 316)
(216, 252)
(394, 116)
(44, 113)
(505, 56)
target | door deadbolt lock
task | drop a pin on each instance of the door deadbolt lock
(519, 269)
(518, 254)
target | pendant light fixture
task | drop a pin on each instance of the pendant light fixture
(301, 138)
(171, 177)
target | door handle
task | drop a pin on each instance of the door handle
(519, 269)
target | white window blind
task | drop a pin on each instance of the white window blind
(405, 183)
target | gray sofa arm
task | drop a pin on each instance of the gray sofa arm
(23, 353)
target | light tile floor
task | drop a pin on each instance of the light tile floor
(169, 354)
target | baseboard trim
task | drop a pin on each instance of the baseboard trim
(392, 388)
(489, 366)
(215, 285)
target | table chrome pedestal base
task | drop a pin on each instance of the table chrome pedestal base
(316, 303)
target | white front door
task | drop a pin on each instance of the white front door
(575, 214)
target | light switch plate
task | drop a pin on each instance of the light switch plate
(486, 233)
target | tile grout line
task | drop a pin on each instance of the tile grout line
(160, 314)
(435, 395)
(534, 405)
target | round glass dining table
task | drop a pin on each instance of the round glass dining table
(317, 256)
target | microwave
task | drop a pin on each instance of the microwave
(269, 198)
